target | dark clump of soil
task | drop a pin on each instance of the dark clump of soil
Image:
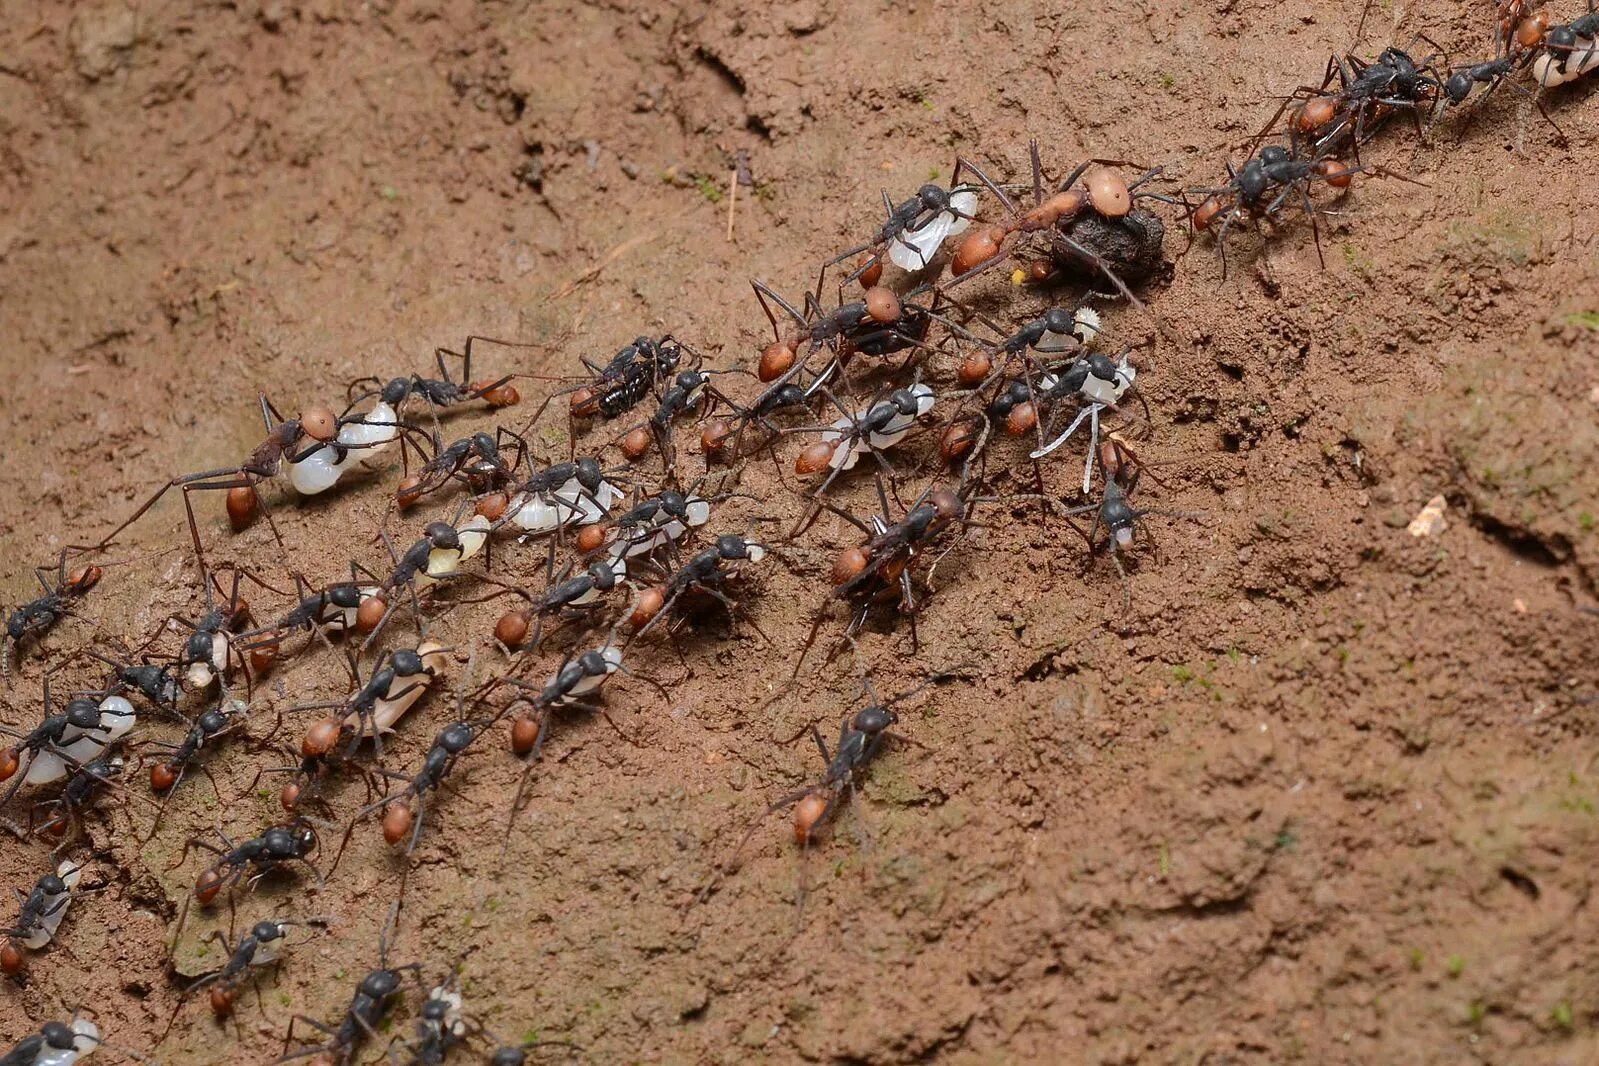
(1324, 792)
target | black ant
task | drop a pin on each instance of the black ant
(914, 230)
(1563, 43)
(209, 728)
(576, 492)
(862, 575)
(435, 556)
(62, 1042)
(40, 915)
(442, 1025)
(723, 439)
(210, 652)
(873, 430)
(261, 946)
(32, 620)
(477, 460)
(1494, 73)
(880, 323)
(77, 796)
(861, 738)
(571, 595)
(368, 1006)
(632, 374)
(1367, 94)
(445, 390)
(277, 848)
(1264, 184)
(653, 523)
(402, 678)
(691, 392)
(331, 609)
(1120, 521)
(81, 718)
(153, 677)
(706, 572)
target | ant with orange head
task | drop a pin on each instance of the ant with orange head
(316, 448)
(37, 617)
(1093, 212)
(878, 568)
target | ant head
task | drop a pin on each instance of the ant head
(933, 197)
(442, 535)
(1457, 86)
(509, 1056)
(593, 664)
(946, 504)
(1060, 320)
(303, 836)
(733, 546)
(689, 380)
(605, 574)
(396, 391)
(1100, 365)
(873, 720)
(83, 713)
(58, 1035)
(406, 662)
(265, 931)
(455, 738)
(484, 443)
(1252, 180)
(17, 626)
(905, 401)
(380, 984)
(673, 503)
(198, 648)
(1273, 155)
(346, 596)
(789, 394)
(589, 473)
(213, 720)
(52, 885)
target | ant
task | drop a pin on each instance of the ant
(436, 556)
(1077, 220)
(723, 439)
(261, 946)
(862, 575)
(77, 796)
(880, 323)
(572, 595)
(874, 430)
(1121, 521)
(1570, 50)
(368, 1006)
(153, 677)
(705, 572)
(32, 620)
(575, 492)
(691, 391)
(475, 459)
(61, 1044)
(322, 750)
(209, 654)
(618, 386)
(210, 727)
(1494, 73)
(276, 848)
(331, 609)
(1263, 184)
(377, 705)
(399, 820)
(442, 1025)
(1099, 385)
(1368, 93)
(42, 911)
(445, 390)
(292, 441)
(84, 729)
(652, 523)
(914, 230)
(861, 738)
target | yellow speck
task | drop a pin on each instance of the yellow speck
(1018, 276)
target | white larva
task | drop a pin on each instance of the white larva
(442, 562)
(1582, 58)
(613, 661)
(201, 674)
(897, 429)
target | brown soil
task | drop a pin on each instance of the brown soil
(1325, 792)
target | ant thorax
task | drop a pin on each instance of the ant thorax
(53, 907)
(916, 245)
(80, 746)
(1108, 392)
(698, 512)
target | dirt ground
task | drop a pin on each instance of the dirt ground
(1325, 792)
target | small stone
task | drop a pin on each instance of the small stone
(1429, 521)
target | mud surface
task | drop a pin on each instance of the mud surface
(1325, 792)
